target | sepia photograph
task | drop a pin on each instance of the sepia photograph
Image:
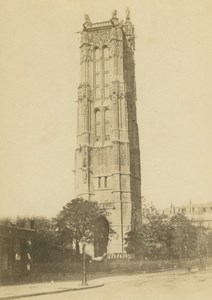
(105, 149)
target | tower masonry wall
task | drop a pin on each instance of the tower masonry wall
(107, 157)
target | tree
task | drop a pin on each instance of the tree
(77, 220)
(44, 240)
(209, 243)
(202, 241)
(151, 241)
(183, 237)
(163, 238)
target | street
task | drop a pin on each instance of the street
(166, 286)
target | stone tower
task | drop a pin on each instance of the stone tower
(107, 158)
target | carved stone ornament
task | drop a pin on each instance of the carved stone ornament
(87, 23)
(84, 93)
(84, 157)
(115, 52)
(85, 168)
(87, 19)
(127, 14)
(131, 43)
(116, 49)
(85, 58)
(114, 14)
(116, 33)
(84, 106)
(100, 38)
(84, 175)
(85, 37)
(126, 106)
(114, 100)
(122, 91)
(86, 54)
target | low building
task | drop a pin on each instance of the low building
(15, 252)
(199, 214)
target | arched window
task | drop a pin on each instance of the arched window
(106, 78)
(99, 182)
(97, 73)
(97, 53)
(98, 125)
(107, 124)
(105, 181)
(105, 53)
(97, 79)
(106, 71)
(101, 77)
(106, 84)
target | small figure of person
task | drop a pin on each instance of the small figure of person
(202, 265)
(188, 267)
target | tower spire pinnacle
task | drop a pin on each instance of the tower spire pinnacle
(87, 22)
(127, 14)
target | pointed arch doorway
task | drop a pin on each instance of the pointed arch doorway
(101, 236)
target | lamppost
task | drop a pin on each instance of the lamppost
(84, 279)
(187, 246)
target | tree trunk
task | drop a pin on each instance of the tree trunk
(180, 254)
(77, 248)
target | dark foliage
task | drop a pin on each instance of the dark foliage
(164, 238)
(78, 220)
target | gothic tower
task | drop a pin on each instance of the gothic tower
(107, 158)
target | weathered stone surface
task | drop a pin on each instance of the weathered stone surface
(107, 154)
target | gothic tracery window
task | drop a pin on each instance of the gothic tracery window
(105, 181)
(105, 53)
(106, 71)
(97, 79)
(97, 73)
(106, 65)
(99, 182)
(97, 67)
(101, 72)
(97, 53)
(106, 78)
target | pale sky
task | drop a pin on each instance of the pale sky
(39, 75)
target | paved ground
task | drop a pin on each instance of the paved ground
(158, 286)
(37, 289)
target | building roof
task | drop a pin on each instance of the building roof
(13, 231)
